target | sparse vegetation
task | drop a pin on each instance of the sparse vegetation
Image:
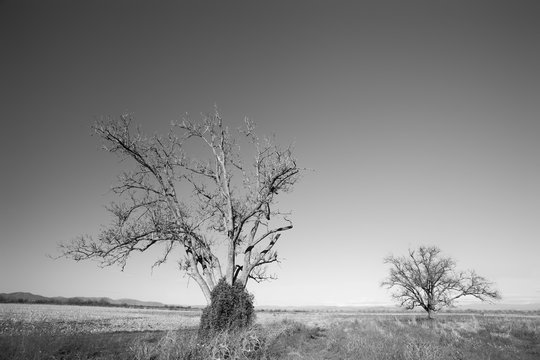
(337, 336)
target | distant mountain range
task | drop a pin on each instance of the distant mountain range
(26, 297)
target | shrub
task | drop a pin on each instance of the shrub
(230, 309)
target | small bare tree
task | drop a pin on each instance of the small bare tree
(425, 279)
(197, 205)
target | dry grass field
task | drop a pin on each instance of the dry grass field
(69, 319)
(78, 332)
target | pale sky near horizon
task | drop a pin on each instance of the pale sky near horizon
(419, 119)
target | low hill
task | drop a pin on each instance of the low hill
(25, 297)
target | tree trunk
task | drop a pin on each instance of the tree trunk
(202, 284)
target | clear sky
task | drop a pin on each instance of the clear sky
(420, 121)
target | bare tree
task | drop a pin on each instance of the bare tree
(425, 279)
(198, 205)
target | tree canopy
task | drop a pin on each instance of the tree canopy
(195, 202)
(426, 279)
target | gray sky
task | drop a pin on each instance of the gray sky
(420, 121)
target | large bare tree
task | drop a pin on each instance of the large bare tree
(206, 206)
(430, 281)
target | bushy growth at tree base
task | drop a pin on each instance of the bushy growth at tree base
(230, 309)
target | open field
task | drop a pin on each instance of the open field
(65, 332)
(27, 318)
